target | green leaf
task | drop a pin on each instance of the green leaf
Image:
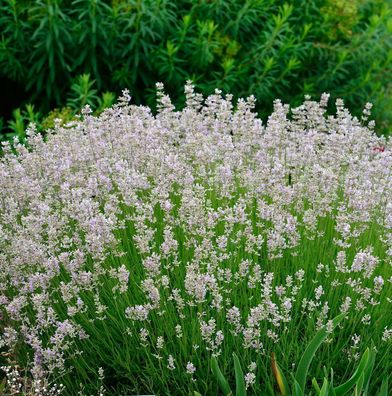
(107, 99)
(316, 386)
(344, 388)
(368, 370)
(324, 388)
(222, 381)
(297, 389)
(331, 390)
(239, 377)
(384, 388)
(307, 357)
(359, 385)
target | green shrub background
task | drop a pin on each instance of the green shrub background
(63, 54)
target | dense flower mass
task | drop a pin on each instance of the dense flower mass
(134, 246)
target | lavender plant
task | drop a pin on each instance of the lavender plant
(137, 247)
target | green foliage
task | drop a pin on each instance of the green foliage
(344, 388)
(360, 379)
(222, 381)
(21, 118)
(358, 382)
(310, 351)
(341, 17)
(65, 114)
(239, 377)
(83, 92)
(269, 48)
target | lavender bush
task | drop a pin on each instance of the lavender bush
(134, 247)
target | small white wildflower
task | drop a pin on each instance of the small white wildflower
(190, 368)
(346, 305)
(356, 339)
(250, 379)
(378, 284)
(329, 326)
(387, 334)
(320, 267)
(280, 290)
(252, 366)
(143, 336)
(170, 363)
(300, 275)
(319, 292)
(160, 342)
(273, 335)
(178, 329)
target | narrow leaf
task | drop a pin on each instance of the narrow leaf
(344, 388)
(316, 386)
(239, 377)
(297, 389)
(331, 390)
(222, 381)
(368, 370)
(324, 388)
(307, 357)
(359, 385)
(384, 388)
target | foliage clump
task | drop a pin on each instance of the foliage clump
(270, 48)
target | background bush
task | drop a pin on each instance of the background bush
(61, 53)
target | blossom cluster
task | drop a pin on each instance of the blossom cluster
(191, 233)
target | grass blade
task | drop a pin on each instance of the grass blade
(359, 385)
(280, 377)
(384, 388)
(368, 371)
(222, 381)
(316, 386)
(297, 389)
(324, 388)
(331, 390)
(307, 357)
(239, 377)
